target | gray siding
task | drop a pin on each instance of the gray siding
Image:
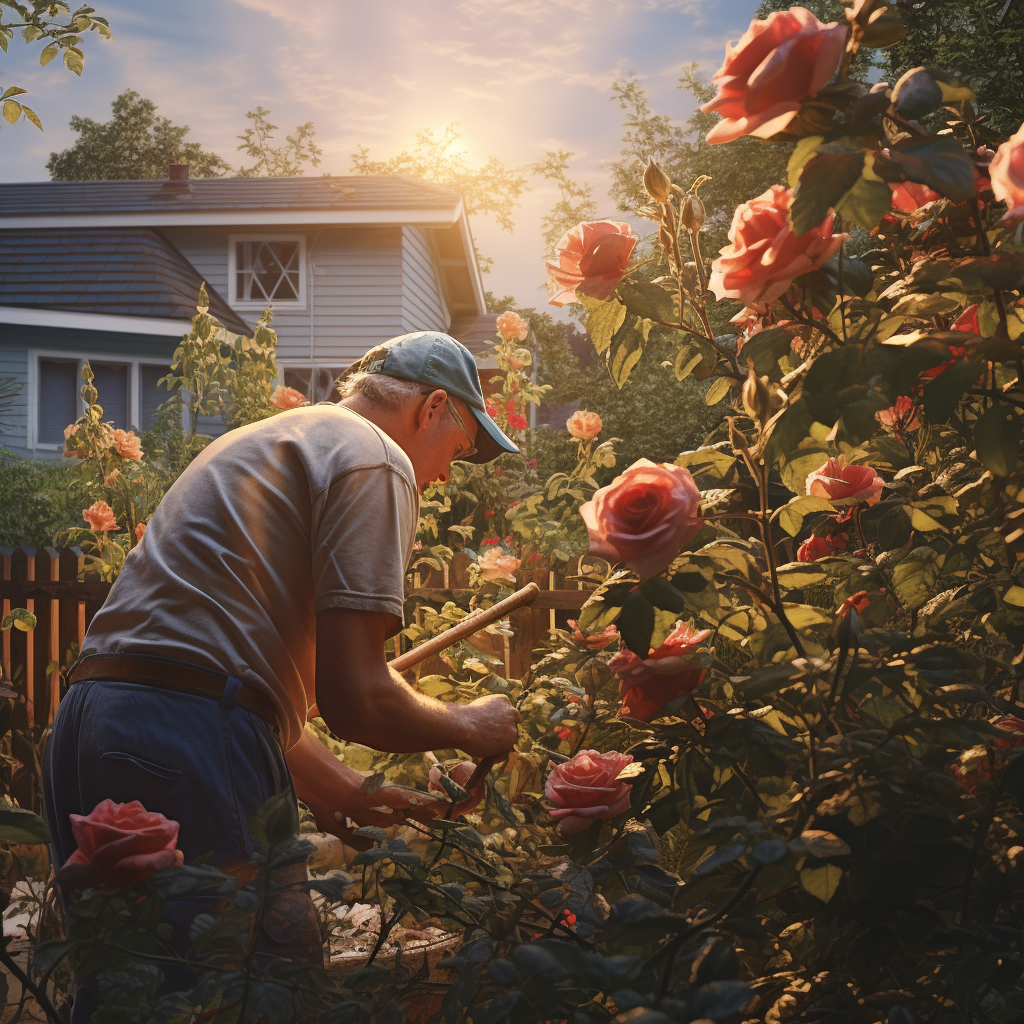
(14, 363)
(423, 305)
(354, 293)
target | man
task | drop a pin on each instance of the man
(268, 581)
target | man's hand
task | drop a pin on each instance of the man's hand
(492, 724)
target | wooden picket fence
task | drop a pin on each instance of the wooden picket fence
(49, 583)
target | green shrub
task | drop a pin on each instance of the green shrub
(39, 499)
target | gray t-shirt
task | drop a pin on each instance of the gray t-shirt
(314, 508)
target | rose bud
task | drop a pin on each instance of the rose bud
(657, 182)
(693, 215)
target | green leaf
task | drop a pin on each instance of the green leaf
(12, 111)
(663, 595)
(803, 151)
(648, 301)
(791, 515)
(13, 90)
(821, 882)
(943, 394)
(765, 349)
(914, 577)
(636, 623)
(20, 826)
(687, 359)
(19, 618)
(49, 52)
(627, 346)
(997, 436)
(825, 179)
(603, 320)
(940, 163)
(718, 391)
(803, 616)
(866, 203)
(30, 115)
(801, 574)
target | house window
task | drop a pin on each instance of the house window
(316, 382)
(267, 270)
(127, 391)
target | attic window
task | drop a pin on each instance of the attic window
(267, 270)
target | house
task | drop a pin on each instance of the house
(109, 271)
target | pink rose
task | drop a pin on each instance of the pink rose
(497, 567)
(512, 326)
(643, 517)
(100, 517)
(595, 641)
(845, 485)
(821, 547)
(591, 259)
(909, 196)
(287, 398)
(460, 773)
(584, 425)
(118, 846)
(1006, 172)
(668, 671)
(127, 444)
(778, 63)
(902, 413)
(765, 255)
(584, 789)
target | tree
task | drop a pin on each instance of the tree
(134, 143)
(492, 188)
(276, 161)
(45, 20)
(575, 201)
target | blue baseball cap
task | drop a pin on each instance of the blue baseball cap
(430, 357)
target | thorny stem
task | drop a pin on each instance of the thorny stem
(808, 322)
(27, 984)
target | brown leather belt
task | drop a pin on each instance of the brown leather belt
(168, 674)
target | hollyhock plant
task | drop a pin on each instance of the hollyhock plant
(1006, 173)
(821, 547)
(100, 517)
(590, 260)
(584, 789)
(668, 671)
(512, 327)
(765, 255)
(644, 517)
(118, 846)
(584, 425)
(287, 398)
(777, 64)
(845, 485)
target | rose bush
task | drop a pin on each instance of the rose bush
(590, 260)
(118, 846)
(584, 789)
(643, 517)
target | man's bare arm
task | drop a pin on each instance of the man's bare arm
(363, 701)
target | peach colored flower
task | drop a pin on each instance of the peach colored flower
(69, 453)
(845, 485)
(909, 196)
(765, 255)
(903, 412)
(1006, 172)
(668, 671)
(111, 477)
(512, 326)
(127, 444)
(118, 846)
(100, 517)
(520, 358)
(584, 425)
(595, 641)
(643, 517)
(820, 547)
(287, 398)
(140, 529)
(591, 259)
(496, 566)
(776, 64)
(584, 789)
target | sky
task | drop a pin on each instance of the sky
(519, 77)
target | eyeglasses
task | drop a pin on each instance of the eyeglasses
(454, 413)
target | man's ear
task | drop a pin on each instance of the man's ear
(432, 407)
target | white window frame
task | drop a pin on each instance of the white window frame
(290, 304)
(305, 364)
(133, 363)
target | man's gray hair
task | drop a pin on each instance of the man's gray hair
(382, 390)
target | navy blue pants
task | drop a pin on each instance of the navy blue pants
(204, 763)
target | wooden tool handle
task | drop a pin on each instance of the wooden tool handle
(467, 627)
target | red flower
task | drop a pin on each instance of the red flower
(668, 671)
(902, 413)
(845, 485)
(562, 733)
(517, 421)
(765, 254)
(909, 195)
(643, 517)
(584, 788)
(858, 601)
(591, 259)
(118, 846)
(531, 463)
(778, 62)
(492, 409)
(967, 321)
(595, 641)
(821, 547)
(1013, 725)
